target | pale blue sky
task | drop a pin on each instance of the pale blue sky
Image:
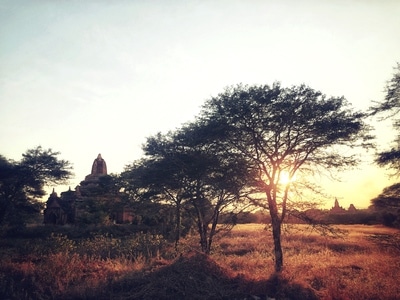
(89, 77)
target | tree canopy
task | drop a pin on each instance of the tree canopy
(391, 107)
(22, 183)
(389, 198)
(189, 170)
(391, 102)
(388, 204)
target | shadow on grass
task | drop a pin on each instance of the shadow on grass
(196, 276)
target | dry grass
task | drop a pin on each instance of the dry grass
(363, 264)
(351, 267)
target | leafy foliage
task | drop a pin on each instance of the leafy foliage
(388, 204)
(188, 170)
(391, 102)
(22, 183)
(391, 107)
(100, 202)
(389, 198)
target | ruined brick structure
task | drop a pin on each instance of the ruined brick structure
(65, 209)
(60, 210)
(99, 168)
(337, 209)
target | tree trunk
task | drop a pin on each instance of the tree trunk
(178, 225)
(276, 234)
(213, 228)
(203, 238)
(202, 229)
(276, 223)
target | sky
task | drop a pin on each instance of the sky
(90, 77)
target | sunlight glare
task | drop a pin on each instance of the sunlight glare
(285, 178)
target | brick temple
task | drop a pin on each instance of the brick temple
(64, 209)
(337, 209)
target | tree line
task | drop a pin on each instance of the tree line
(250, 146)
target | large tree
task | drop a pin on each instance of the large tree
(388, 201)
(188, 169)
(390, 108)
(22, 183)
(281, 132)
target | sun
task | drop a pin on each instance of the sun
(284, 178)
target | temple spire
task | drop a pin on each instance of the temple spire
(99, 166)
(336, 203)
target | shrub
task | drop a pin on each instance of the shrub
(139, 245)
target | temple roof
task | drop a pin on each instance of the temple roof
(99, 166)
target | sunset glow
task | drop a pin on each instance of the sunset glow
(285, 178)
(89, 77)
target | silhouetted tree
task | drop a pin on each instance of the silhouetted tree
(188, 168)
(22, 183)
(388, 204)
(101, 201)
(391, 107)
(278, 131)
(156, 180)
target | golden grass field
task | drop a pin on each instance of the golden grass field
(355, 266)
(362, 264)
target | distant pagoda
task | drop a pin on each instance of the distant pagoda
(99, 169)
(66, 208)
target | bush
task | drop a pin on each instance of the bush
(106, 246)
(360, 217)
(389, 219)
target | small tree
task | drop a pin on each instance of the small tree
(156, 180)
(280, 132)
(100, 202)
(22, 183)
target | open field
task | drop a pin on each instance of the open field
(355, 266)
(362, 264)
